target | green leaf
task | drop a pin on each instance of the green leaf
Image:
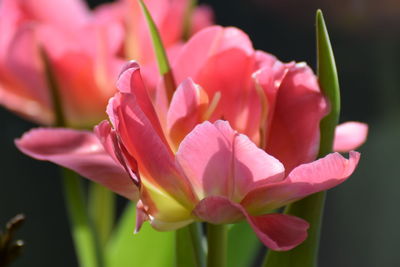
(311, 208)
(329, 83)
(158, 46)
(148, 248)
(243, 245)
(161, 55)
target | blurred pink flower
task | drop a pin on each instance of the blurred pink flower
(86, 50)
(217, 174)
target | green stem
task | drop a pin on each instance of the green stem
(82, 231)
(84, 237)
(217, 245)
(102, 211)
(196, 235)
(188, 246)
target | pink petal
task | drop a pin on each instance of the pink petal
(349, 136)
(29, 96)
(186, 109)
(269, 77)
(294, 133)
(115, 149)
(219, 161)
(130, 82)
(304, 180)
(276, 231)
(206, 44)
(218, 210)
(65, 14)
(222, 60)
(80, 151)
(143, 142)
(202, 17)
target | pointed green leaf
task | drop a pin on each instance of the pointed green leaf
(311, 208)
(243, 245)
(329, 82)
(161, 55)
(148, 248)
(158, 46)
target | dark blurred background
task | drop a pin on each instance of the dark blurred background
(361, 222)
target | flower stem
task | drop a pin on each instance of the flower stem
(217, 245)
(81, 228)
(197, 241)
(188, 246)
(102, 211)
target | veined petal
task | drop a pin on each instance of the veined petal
(188, 104)
(219, 161)
(80, 151)
(349, 136)
(304, 180)
(276, 231)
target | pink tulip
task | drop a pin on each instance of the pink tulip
(217, 174)
(278, 105)
(86, 50)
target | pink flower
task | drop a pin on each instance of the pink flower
(217, 174)
(278, 105)
(86, 51)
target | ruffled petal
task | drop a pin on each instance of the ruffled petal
(80, 151)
